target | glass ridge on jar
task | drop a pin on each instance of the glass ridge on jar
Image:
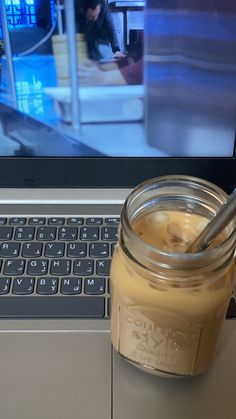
(168, 307)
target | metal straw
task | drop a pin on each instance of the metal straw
(226, 214)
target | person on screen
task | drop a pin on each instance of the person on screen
(93, 74)
(94, 20)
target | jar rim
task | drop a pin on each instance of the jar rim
(192, 180)
(181, 258)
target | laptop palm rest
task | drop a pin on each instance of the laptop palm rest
(210, 395)
(55, 374)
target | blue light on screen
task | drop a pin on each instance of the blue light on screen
(20, 13)
(18, 2)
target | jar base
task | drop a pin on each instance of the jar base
(151, 370)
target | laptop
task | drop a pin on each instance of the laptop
(60, 202)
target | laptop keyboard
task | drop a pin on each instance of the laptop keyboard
(56, 267)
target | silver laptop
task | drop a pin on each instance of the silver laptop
(60, 200)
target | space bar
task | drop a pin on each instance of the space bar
(52, 307)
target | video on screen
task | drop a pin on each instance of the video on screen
(154, 78)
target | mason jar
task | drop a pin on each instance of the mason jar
(168, 305)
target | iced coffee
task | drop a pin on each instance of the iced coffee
(166, 318)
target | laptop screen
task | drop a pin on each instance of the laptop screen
(156, 82)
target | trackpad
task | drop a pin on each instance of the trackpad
(210, 395)
(55, 375)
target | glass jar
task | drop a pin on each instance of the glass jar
(168, 305)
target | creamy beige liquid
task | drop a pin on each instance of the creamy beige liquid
(164, 325)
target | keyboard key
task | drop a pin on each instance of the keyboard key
(112, 221)
(6, 233)
(94, 221)
(3, 221)
(56, 221)
(89, 233)
(94, 286)
(36, 221)
(54, 250)
(110, 233)
(71, 286)
(37, 267)
(38, 307)
(76, 250)
(30, 250)
(99, 250)
(14, 267)
(46, 233)
(23, 286)
(103, 267)
(24, 233)
(5, 284)
(75, 221)
(17, 221)
(47, 286)
(83, 267)
(60, 267)
(9, 249)
(68, 233)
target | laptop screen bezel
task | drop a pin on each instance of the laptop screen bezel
(34, 172)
